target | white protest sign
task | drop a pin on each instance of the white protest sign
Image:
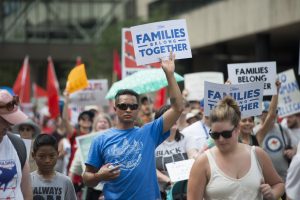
(254, 72)
(94, 94)
(289, 94)
(156, 40)
(248, 96)
(129, 65)
(180, 170)
(194, 83)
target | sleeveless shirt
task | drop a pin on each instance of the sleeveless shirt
(223, 187)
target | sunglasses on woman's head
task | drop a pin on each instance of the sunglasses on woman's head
(125, 106)
(11, 105)
(224, 134)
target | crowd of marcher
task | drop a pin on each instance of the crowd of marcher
(235, 158)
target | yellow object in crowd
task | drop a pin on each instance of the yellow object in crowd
(77, 79)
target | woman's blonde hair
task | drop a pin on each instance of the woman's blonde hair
(226, 110)
(98, 117)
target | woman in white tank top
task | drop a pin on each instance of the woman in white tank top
(232, 170)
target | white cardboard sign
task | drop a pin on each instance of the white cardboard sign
(289, 94)
(254, 72)
(156, 40)
(194, 83)
(129, 65)
(94, 94)
(248, 96)
(180, 170)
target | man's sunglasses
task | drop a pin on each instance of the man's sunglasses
(225, 134)
(125, 106)
(11, 105)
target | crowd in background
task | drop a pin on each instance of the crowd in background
(190, 138)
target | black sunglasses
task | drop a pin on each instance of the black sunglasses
(125, 106)
(225, 134)
(11, 105)
(25, 129)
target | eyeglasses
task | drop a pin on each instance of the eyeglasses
(125, 106)
(225, 134)
(11, 105)
(25, 129)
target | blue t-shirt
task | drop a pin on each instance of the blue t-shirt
(133, 149)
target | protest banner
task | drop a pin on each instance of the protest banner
(248, 96)
(94, 94)
(289, 94)
(156, 40)
(254, 72)
(180, 170)
(194, 83)
(129, 65)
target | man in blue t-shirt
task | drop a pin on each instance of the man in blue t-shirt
(123, 157)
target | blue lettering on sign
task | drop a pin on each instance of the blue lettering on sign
(289, 109)
(163, 49)
(160, 35)
(282, 78)
(236, 95)
(247, 100)
(288, 88)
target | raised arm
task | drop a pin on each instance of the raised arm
(271, 117)
(170, 117)
(65, 115)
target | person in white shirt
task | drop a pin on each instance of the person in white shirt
(293, 125)
(199, 131)
(292, 185)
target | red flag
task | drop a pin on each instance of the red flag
(160, 98)
(52, 90)
(78, 61)
(38, 91)
(22, 84)
(117, 65)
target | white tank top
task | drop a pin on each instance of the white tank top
(223, 187)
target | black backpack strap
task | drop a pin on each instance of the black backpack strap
(19, 146)
(287, 144)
